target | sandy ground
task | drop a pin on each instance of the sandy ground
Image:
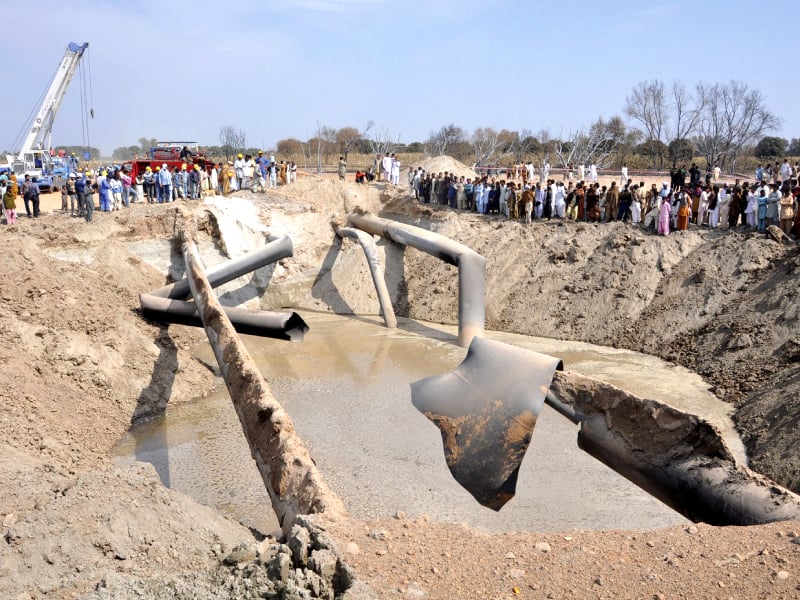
(81, 366)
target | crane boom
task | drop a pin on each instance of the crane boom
(43, 123)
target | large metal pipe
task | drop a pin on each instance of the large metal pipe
(367, 243)
(471, 267)
(278, 325)
(273, 251)
(293, 482)
(677, 457)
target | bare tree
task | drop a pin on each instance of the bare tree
(381, 141)
(732, 116)
(647, 104)
(447, 137)
(323, 142)
(231, 140)
(685, 112)
(585, 147)
(485, 143)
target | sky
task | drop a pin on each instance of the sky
(182, 69)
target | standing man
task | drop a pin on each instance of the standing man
(386, 167)
(194, 183)
(33, 193)
(342, 168)
(26, 194)
(623, 176)
(238, 167)
(395, 174)
(165, 184)
(593, 173)
(786, 173)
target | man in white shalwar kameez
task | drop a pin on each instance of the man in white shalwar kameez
(540, 197)
(386, 167)
(560, 200)
(593, 173)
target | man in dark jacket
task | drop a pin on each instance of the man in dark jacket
(33, 194)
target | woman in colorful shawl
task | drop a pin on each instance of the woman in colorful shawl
(663, 218)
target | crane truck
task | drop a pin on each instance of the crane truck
(34, 157)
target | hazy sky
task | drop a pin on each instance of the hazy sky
(181, 69)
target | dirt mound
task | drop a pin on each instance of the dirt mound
(440, 164)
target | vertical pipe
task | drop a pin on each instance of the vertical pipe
(376, 269)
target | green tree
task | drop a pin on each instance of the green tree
(125, 152)
(680, 150)
(145, 143)
(770, 146)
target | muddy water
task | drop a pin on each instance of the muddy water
(346, 388)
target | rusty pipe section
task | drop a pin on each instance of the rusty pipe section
(294, 484)
(677, 457)
(277, 325)
(471, 267)
(273, 251)
(367, 243)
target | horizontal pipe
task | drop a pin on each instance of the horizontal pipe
(707, 489)
(273, 251)
(471, 267)
(278, 325)
(367, 243)
(677, 457)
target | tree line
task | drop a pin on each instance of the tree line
(666, 124)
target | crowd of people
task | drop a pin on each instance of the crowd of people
(687, 198)
(772, 199)
(116, 187)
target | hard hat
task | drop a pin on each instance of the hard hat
(239, 155)
(197, 167)
(183, 167)
(148, 169)
(261, 152)
(104, 173)
(158, 168)
(164, 166)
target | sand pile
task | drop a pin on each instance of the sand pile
(440, 164)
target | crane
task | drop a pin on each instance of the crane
(33, 157)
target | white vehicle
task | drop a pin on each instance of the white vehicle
(33, 157)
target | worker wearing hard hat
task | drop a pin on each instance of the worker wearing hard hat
(148, 183)
(194, 183)
(238, 167)
(181, 182)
